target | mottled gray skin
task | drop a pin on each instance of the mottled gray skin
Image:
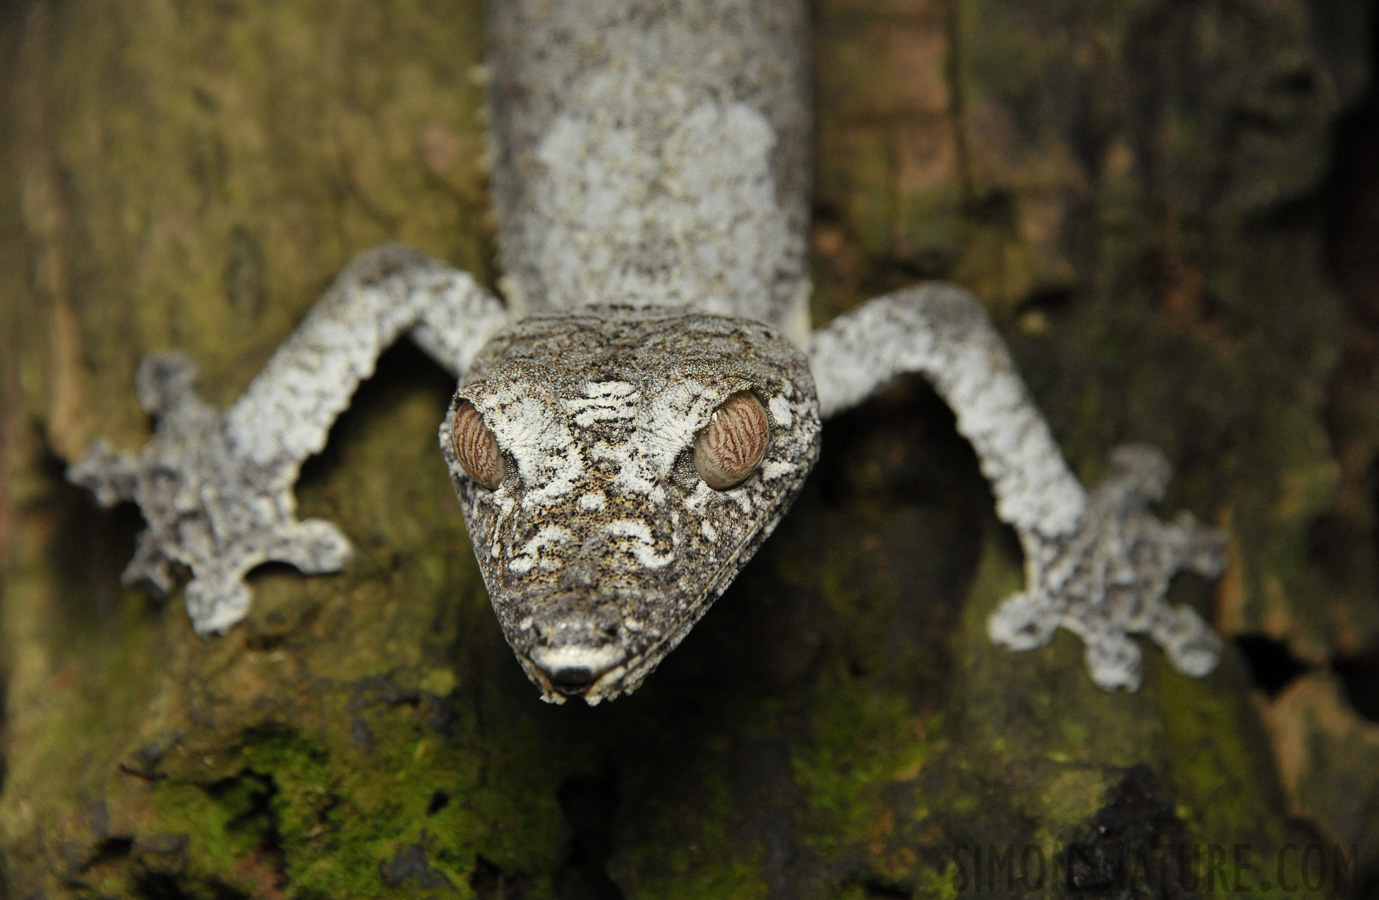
(652, 154)
(650, 164)
(603, 546)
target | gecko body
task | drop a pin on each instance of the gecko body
(636, 420)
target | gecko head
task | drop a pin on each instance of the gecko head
(617, 468)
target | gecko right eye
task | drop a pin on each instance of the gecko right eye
(477, 448)
(731, 446)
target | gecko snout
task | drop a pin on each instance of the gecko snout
(571, 669)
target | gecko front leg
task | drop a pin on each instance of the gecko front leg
(216, 487)
(1096, 565)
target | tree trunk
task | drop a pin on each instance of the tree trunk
(1136, 188)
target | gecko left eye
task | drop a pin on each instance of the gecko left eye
(731, 446)
(477, 448)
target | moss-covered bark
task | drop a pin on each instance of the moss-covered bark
(1126, 183)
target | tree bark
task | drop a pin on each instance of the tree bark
(1133, 187)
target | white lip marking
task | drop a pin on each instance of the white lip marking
(595, 659)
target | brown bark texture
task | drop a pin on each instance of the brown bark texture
(1171, 210)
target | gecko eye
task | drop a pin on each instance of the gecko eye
(476, 447)
(731, 446)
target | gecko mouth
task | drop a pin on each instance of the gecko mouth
(571, 680)
(573, 670)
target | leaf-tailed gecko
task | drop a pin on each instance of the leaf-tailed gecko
(636, 420)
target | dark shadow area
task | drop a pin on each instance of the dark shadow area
(1272, 667)
(161, 886)
(90, 545)
(112, 849)
(879, 889)
(158, 886)
(590, 804)
(491, 883)
(439, 801)
(1053, 300)
(1360, 675)
(1130, 848)
(1351, 202)
(1348, 549)
(907, 425)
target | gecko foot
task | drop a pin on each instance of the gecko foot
(209, 507)
(1106, 578)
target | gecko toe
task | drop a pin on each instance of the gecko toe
(215, 602)
(163, 380)
(313, 546)
(1114, 662)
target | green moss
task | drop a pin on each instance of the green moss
(862, 741)
(218, 830)
(439, 682)
(700, 856)
(331, 821)
(1226, 790)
